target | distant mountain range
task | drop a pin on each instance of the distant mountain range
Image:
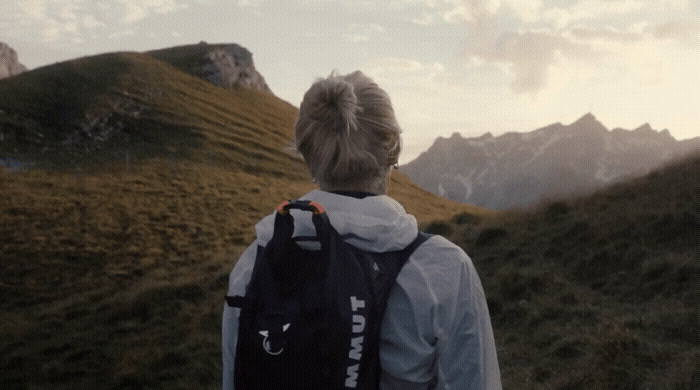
(517, 169)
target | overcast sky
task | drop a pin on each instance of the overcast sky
(467, 66)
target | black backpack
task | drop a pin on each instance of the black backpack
(310, 319)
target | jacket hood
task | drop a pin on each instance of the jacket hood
(375, 223)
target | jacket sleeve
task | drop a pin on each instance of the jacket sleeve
(436, 332)
(237, 282)
(467, 355)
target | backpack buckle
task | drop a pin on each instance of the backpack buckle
(275, 346)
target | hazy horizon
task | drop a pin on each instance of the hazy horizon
(466, 66)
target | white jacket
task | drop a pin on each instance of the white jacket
(436, 331)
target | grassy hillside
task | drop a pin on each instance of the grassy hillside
(601, 292)
(131, 106)
(115, 249)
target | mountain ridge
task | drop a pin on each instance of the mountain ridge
(516, 169)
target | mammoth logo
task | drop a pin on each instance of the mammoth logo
(266, 342)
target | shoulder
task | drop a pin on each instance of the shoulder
(436, 280)
(434, 264)
(441, 256)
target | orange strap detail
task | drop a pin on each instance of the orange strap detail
(282, 208)
(315, 207)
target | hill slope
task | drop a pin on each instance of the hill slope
(600, 292)
(107, 107)
(115, 248)
(517, 169)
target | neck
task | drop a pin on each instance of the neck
(379, 186)
(354, 194)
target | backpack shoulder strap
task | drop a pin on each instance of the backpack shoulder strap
(406, 252)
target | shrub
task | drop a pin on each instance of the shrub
(490, 236)
(466, 218)
(616, 358)
(441, 228)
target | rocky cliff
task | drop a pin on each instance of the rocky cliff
(228, 66)
(9, 66)
(517, 169)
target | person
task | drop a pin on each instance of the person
(436, 332)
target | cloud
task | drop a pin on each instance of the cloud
(525, 10)
(51, 30)
(467, 11)
(527, 39)
(425, 19)
(57, 19)
(599, 8)
(91, 22)
(135, 10)
(362, 32)
(32, 8)
(524, 53)
(471, 10)
(121, 34)
(69, 10)
(77, 20)
(686, 32)
(603, 34)
(394, 65)
(610, 10)
(527, 55)
(404, 74)
(54, 19)
(424, 3)
(459, 14)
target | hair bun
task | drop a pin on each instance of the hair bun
(332, 101)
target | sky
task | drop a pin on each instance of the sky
(466, 66)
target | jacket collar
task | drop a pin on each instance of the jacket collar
(374, 223)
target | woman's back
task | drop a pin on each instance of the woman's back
(436, 331)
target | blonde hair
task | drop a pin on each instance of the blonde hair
(347, 132)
